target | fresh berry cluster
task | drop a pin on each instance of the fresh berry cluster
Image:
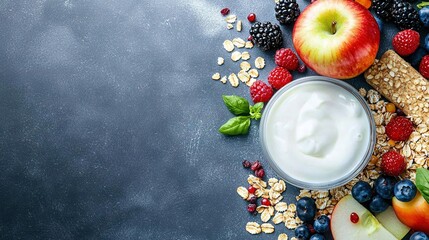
(312, 228)
(286, 61)
(400, 12)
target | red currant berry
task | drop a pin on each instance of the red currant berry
(255, 166)
(251, 189)
(249, 38)
(265, 202)
(260, 173)
(251, 208)
(302, 68)
(354, 218)
(224, 11)
(253, 199)
(251, 17)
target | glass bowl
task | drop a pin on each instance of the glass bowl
(296, 160)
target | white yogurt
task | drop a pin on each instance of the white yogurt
(317, 132)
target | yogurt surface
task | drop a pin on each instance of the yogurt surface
(317, 132)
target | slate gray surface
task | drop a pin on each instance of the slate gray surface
(109, 118)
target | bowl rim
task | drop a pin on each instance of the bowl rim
(323, 185)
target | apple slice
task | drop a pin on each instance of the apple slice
(367, 227)
(389, 221)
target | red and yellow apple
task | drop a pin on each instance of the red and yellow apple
(336, 38)
(414, 214)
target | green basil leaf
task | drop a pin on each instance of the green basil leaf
(255, 111)
(422, 182)
(236, 105)
(236, 126)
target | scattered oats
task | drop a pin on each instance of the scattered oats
(238, 42)
(281, 207)
(245, 66)
(278, 218)
(250, 82)
(239, 26)
(271, 181)
(248, 44)
(228, 45)
(283, 236)
(271, 210)
(362, 92)
(245, 56)
(229, 26)
(223, 80)
(291, 223)
(265, 215)
(259, 63)
(373, 96)
(242, 191)
(254, 73)
(216, 76)
(267, 228)
(243, 76)
(261, 208)
(231, 18)
(235, 56)
(233, 79)
(292, 207)
(220, 61)
(294, 238)
(253, 228)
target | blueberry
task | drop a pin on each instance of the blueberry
(362, 191)
(302, 232)
(378, 204)
(426, 45)
(424, 16)
(419, 236)
(405, 190)
(306, 209)
(317, 236)
(384, 186)
(321, 224)
(379, 22)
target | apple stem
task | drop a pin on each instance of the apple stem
(333, 27)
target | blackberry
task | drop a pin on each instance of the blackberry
(383, 8)
(405, 16)
(266, 35)
(287, 11)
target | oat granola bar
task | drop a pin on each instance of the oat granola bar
(401, 84)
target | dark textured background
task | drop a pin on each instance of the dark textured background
(109, 118)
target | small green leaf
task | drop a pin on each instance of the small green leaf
(255, 111)
(422, 5)
(236, 126)
(236, 105)
(422, 182)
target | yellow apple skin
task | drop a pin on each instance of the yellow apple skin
(414, 214)
(336, 38)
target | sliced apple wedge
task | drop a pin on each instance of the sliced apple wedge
(368, 227)
(389, 221)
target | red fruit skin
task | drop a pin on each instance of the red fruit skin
(279, 77)
(393, 163)
(265, 202)
(260, 92)
(251, 17)
(399, 128)
(406, 42)
(424, 66)
(286, 58)
(414, 214)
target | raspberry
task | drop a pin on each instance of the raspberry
(279, 77)
(260, 92)
(286, 58)
(424, 66)
(399, 128)
(406, 42)
(393, 163)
